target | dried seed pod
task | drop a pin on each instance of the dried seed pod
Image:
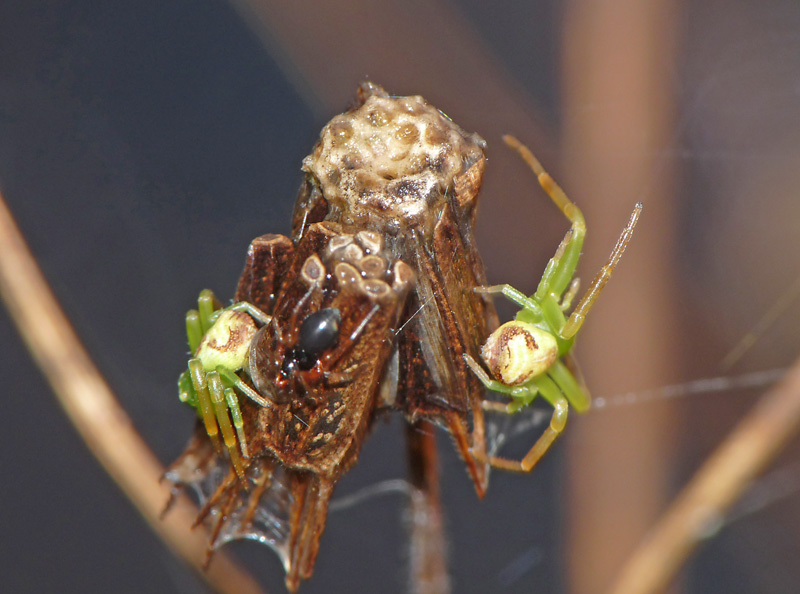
(382, 234)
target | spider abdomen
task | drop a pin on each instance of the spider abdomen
(518, 351)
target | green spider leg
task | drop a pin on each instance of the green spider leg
(213, 410)
(558, 386)
(559, 272)
(199, 320)
(545, 310)
(252, 311)
(221, 408)
(211, 392)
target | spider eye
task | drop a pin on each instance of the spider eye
(319, 331)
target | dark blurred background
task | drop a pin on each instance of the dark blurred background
(143, 144)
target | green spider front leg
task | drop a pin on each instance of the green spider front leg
(219, 338)
(525, 356)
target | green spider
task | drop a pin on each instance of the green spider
(525, 355)
(219, 340)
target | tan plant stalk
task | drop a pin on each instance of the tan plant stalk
(699, 510)
(96, 413)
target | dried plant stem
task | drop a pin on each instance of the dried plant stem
(95, 412)
(698, 511)
(428, 554)
(612, 53)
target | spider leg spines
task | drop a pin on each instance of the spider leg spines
(575, 320)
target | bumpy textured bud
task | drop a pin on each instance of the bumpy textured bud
(392, 162)
(518, 351)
